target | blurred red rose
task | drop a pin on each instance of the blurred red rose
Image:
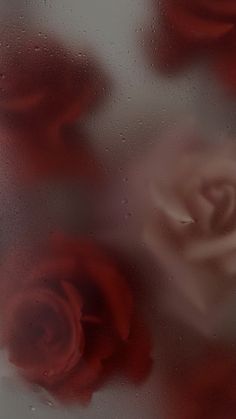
(68, 320)
(208, 391)
(190, 28)
(44, 89)
(43, 83)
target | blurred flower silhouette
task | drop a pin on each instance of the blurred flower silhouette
(193, 28)
(43, 81)
(189, 192)
(68, 319)
(44, 89)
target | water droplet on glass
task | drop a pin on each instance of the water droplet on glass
(49, 403)
(32, 408)
(128, 215)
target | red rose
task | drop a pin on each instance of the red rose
(68, 320)
(44, 84)
(190, 28)
(44, 89)
(208, 391)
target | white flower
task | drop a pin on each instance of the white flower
(191, 224)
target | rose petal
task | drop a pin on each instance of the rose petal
(228, 263)
(54, 268)
(169, 204)
(183, 275)
(224, 217)
(216, 8)
(193, 28)
(138, 361)
(197, 28)
(224, 63)
(117, 294)
(106, 276)
(200, 208)
(81, 384)
(216, 247)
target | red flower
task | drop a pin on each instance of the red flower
(197, 27)
(44, 89)
(68, 320)
(209, 390)
(45, 83)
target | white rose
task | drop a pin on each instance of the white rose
(191, 225)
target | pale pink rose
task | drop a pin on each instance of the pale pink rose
(190, 191)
